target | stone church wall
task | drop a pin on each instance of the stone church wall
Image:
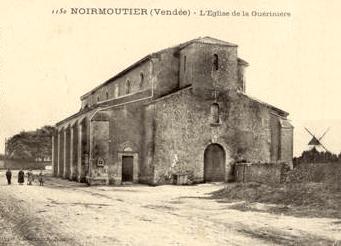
(165, 73)
(118, 87)
(167, 109)
(183, 129)
(148, 147)
(201, 70)
(126, 130)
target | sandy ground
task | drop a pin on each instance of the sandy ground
(69, 213)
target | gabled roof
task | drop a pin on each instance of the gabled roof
(207, 40)
(277, 110)
(203, 40)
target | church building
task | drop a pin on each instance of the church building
(179, 111)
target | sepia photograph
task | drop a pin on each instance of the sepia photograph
(170, 123)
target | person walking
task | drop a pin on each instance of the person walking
(29, 177)
(21, 177)
(8, 176)
(41, 178)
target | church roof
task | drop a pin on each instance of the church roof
(278, 110)
(203, 40)
(207, 40)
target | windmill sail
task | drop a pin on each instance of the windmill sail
(314, 141)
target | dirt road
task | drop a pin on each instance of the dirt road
(69, 213)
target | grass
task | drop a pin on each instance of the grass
(298, 199)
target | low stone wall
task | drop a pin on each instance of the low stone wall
(260, 172)
(23, 164)
(316, 172)
(280, 173)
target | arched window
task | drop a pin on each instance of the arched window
(107, 95)
(215, 61)
(98, 99)
(215, 113)
(141, 80)
(128, 85)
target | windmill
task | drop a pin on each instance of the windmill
(315, 142)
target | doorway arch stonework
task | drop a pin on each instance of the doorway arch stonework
(228, 162)
(214, 163)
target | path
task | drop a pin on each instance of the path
(69, 213)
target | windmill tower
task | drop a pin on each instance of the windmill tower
(315, 142)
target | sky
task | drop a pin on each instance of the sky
(48, 61)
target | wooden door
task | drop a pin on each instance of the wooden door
(127, 168)
(214, 163)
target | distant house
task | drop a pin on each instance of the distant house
(182, 108)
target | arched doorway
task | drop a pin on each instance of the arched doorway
(214, 163)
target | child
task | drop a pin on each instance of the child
(41, 178)
(29, 177)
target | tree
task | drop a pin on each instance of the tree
(31, 145)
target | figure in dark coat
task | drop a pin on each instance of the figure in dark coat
(41, 178)
(8, 176)
(21, 177)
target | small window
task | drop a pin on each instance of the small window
(216, 62)
(185, 58)
(141, 80)
(128, 87)
(115, 90)
(106, 95)
(215, 113)
(98, 99)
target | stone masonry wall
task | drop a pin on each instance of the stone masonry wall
(100, 151)
(287, 145)
(183, 130)
(200, 69)
(126, 130)
(275, 138)
(165, 73)
(260, 172)
(134, 76)
(147, 148)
